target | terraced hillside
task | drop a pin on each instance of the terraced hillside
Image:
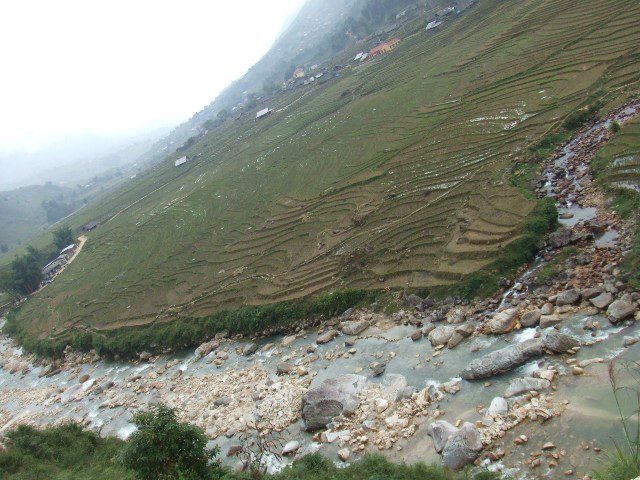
(397, 174)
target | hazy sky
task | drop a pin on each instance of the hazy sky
(122, 66)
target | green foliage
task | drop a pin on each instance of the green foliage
(63, 237)
(165, 449)
(189, 332)
(26, 273)
(62, 452)
(582, 116)
(615, 126)
(55, 210)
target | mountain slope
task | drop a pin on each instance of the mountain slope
(395, 175)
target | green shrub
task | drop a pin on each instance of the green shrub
(165, 449)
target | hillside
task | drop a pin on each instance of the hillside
(396, 174)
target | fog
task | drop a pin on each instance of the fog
(83, 79)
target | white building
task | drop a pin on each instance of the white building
(181, 161)
(263, 113)
(433, 24)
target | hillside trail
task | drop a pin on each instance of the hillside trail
(411, 377)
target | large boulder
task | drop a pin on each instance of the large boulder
(549, 320)
(456, 316)
(620, 310)
(559, 342)
(333, 397)
(602, 301)
(441, 335)
(568, 297)
(502, 322)
(463, 447)
(503, 360)
(326, 337)
(354, 327)
(530, 318)
(499, 406)
(560, 238)
(440, 431)
(526, 384)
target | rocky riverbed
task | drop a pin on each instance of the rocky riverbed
(518, 383)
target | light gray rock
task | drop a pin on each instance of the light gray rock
(456, 316)
(547, 309)
(627, 341)
(602, 301)
(440, 431)
(620, 310)
(291, 447)
(503, 360)
(568, 297)
(589, 293)
(333, 397)
(462, 448)
(559, 342)
(354, 327)
(530, 318)
(440, 335)
(526, 384)
(455, 339)
(499, 406)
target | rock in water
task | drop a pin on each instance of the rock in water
(559, 342)
(326, 337)
(331, 398)
(620, 310)
(440, 431)
(463, 448)
(503, 360)
(440, 335)
(354, 327)
(526, 384)
(499, 406)
(502, 322)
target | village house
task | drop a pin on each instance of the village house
(87, 227)
(181, 161)
(263, 113)
(385, 47)
(298, 73)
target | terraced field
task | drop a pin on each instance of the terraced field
(395, 175)
(620, 160)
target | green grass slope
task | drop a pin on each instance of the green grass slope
(396, 175)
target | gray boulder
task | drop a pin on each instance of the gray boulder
(326, 337)
(249, 349)
(441, 335)
(499, 406)
(549, 320)
(568, 297)
(354, 327)
(456, 316)
(560, 238)
(503, 360)
(440, 431)
(530, 318)
(559, 342)
(463, 447)
(620, 310)
(333, 397)
(526, 384)
(602, 301)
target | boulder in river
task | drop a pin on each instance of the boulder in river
(526, 384)
(333, 397)
(499, 406)
(620, 310)
(354, 327)
(559, 342)
(502, 322)
(441, 335)
(459, 446)
(503, 360)
(326, 337)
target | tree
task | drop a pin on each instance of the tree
(25, 273)
(164, 448)
(63, 237)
